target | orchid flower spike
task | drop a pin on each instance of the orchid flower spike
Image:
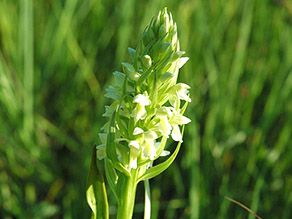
(148, 103)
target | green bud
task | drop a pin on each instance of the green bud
(145, 37)
(165, 19)
(164, 47)
(174, 39)
(147, 61)
(162, 31)
(170, 20)
(157, 21)
(130, 71)
(151, 34)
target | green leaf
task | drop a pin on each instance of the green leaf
(154, 91)
(119, 79)
(111, 152)
(156, 170)
(183, 109)
(113, 93)
(166, 76)
(132, 53)
(175, 56)
(145, 75)
(95, 190)
(122, 128)
(161, 146)
(111, 176)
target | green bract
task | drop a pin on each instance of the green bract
(147, 108)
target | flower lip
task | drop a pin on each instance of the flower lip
(134, 144)
(142, 100)
(138, 131)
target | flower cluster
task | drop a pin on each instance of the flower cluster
(148, 103)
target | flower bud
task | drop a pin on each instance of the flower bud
(165, 19)
(130, 71)
(164, 48)
(162, 31)
(147, 61)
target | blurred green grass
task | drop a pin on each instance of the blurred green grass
(56, 59)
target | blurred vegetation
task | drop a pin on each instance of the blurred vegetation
(56, 59)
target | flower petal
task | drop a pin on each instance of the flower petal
(142, 100)
(150, 135)
(164, 153)
(134, 152)
(164, 127)
(149, 149)
(164, 111)
(138, 131)
(139, 113)
(175, 134)
(182, 61)
(134, 144)
(179, 120)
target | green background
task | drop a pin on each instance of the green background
(56, 59)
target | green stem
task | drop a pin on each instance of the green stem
(127, 197)
(147, 210)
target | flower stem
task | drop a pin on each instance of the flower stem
(127, 197)
(147, 210)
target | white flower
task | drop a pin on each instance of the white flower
(140, 112)
(134, 152)
(175, 134)
(149, 144)
(149, 149)
(163, 126)
(142, 99)
(164, 111)
(176, 120)
(147, 141)
(150, 135)
(134, 144)
(179, 92)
